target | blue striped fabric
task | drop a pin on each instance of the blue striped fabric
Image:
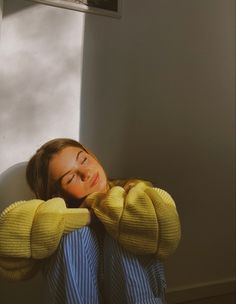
(88, 270)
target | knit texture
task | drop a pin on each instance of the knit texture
(31, 230)
(142, 218)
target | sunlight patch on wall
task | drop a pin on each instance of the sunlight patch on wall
(40, 78)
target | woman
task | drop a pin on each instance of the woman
(90, 265)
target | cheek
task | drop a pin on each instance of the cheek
(103, 181)
(98, 167)
(103, 175)
(75, 190)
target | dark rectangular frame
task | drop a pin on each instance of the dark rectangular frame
(87, 8)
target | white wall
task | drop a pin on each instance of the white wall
(39, 80)
(157, 101)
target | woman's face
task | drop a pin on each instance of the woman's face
(77, 172)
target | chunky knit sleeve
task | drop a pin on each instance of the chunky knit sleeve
(142, 218)
(31, 230)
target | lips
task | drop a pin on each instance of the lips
(94, 180)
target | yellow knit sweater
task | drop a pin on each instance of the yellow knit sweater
(142, 218)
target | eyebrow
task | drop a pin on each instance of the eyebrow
(63, 175)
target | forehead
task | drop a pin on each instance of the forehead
(63, 161)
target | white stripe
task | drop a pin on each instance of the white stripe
(75, 275)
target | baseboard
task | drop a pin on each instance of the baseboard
(200, 291)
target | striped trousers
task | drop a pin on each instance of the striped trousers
(92, 268)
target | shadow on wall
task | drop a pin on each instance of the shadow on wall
(18, 6)
(156, 103)
(120, 105)
(13, 185)
(104, 112)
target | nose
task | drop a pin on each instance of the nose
(85, 174)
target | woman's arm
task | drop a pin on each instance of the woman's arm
(142, 218)
(33, 229)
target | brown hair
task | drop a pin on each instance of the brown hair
(37, 168)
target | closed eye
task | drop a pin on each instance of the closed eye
(82, 157)
(70, 179)
(84, 160)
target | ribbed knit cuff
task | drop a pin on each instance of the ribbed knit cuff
(15, 227)
(108, 209)
(139, 226)
(75, 218)
(168, 219)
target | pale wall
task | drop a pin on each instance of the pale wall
(40, 77)
(157, 102)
